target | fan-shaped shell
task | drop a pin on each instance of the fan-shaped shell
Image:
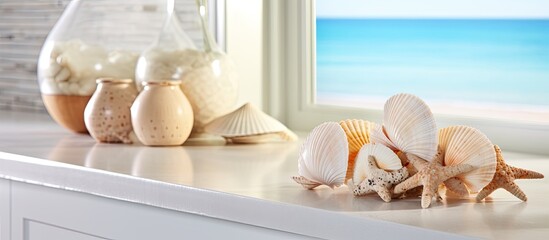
(378, 135)
(266, 137)
(249, 124)
(358, 134)
(467, 145)
(323, 155)
(385, 159)
(408, 126)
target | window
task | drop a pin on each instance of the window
(484, 59)
(298, 96)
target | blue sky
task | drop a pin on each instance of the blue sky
(433, 8)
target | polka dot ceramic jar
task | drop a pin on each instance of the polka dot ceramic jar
(107, 115)
(162, 115)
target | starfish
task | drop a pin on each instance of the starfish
(453, 184)
(504, 178)
(457, 186)
(379, 180)
(430, 176)
(412, 166)
(412, 170)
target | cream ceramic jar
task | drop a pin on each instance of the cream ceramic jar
(107, 114)
(161, 114)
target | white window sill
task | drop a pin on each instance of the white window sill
(255, 179)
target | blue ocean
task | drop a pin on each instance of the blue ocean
(470, 60)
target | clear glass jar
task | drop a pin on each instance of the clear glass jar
(208, 77)
(93, 39)
(170, 56)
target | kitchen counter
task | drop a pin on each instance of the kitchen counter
(250, 184)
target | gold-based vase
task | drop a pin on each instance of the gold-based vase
(93, 39)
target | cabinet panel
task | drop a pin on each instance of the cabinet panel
(39, 231)
(5, 209)
(115, 219)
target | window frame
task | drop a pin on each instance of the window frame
(289, 84)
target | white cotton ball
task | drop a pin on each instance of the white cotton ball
(64, 87)
(52, 69)
(87, 88)
(63, 75)
(73, 88)
(49, 86)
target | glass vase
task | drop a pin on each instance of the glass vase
(93, 39)
(208, 77)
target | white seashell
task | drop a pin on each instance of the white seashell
(248, 124)
(306, 183)
(358, 134)
(378, 135)
(408, 126)
(323, 157)
(467, 145)
(385, 158)
(266, 137)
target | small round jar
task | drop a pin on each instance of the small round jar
(107, 115)
(161, 114)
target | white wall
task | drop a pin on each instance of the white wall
(244, 26)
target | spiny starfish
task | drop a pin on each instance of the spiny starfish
(430, 176)
(414, 167)
(504, 178)
(379, 180)
(457, 186)
(412, 170)
(453, 184)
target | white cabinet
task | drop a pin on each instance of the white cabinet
(4, 209)
(41, 231)
(39, 212)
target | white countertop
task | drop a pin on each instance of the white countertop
(251, 184)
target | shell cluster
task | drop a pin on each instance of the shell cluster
(405, 155)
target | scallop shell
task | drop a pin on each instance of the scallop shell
(378, 135)
(266, 137)
(385, 158)
(323, 157)
(467, 145)
(358, 134)
(408, 126)
(248, 124)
